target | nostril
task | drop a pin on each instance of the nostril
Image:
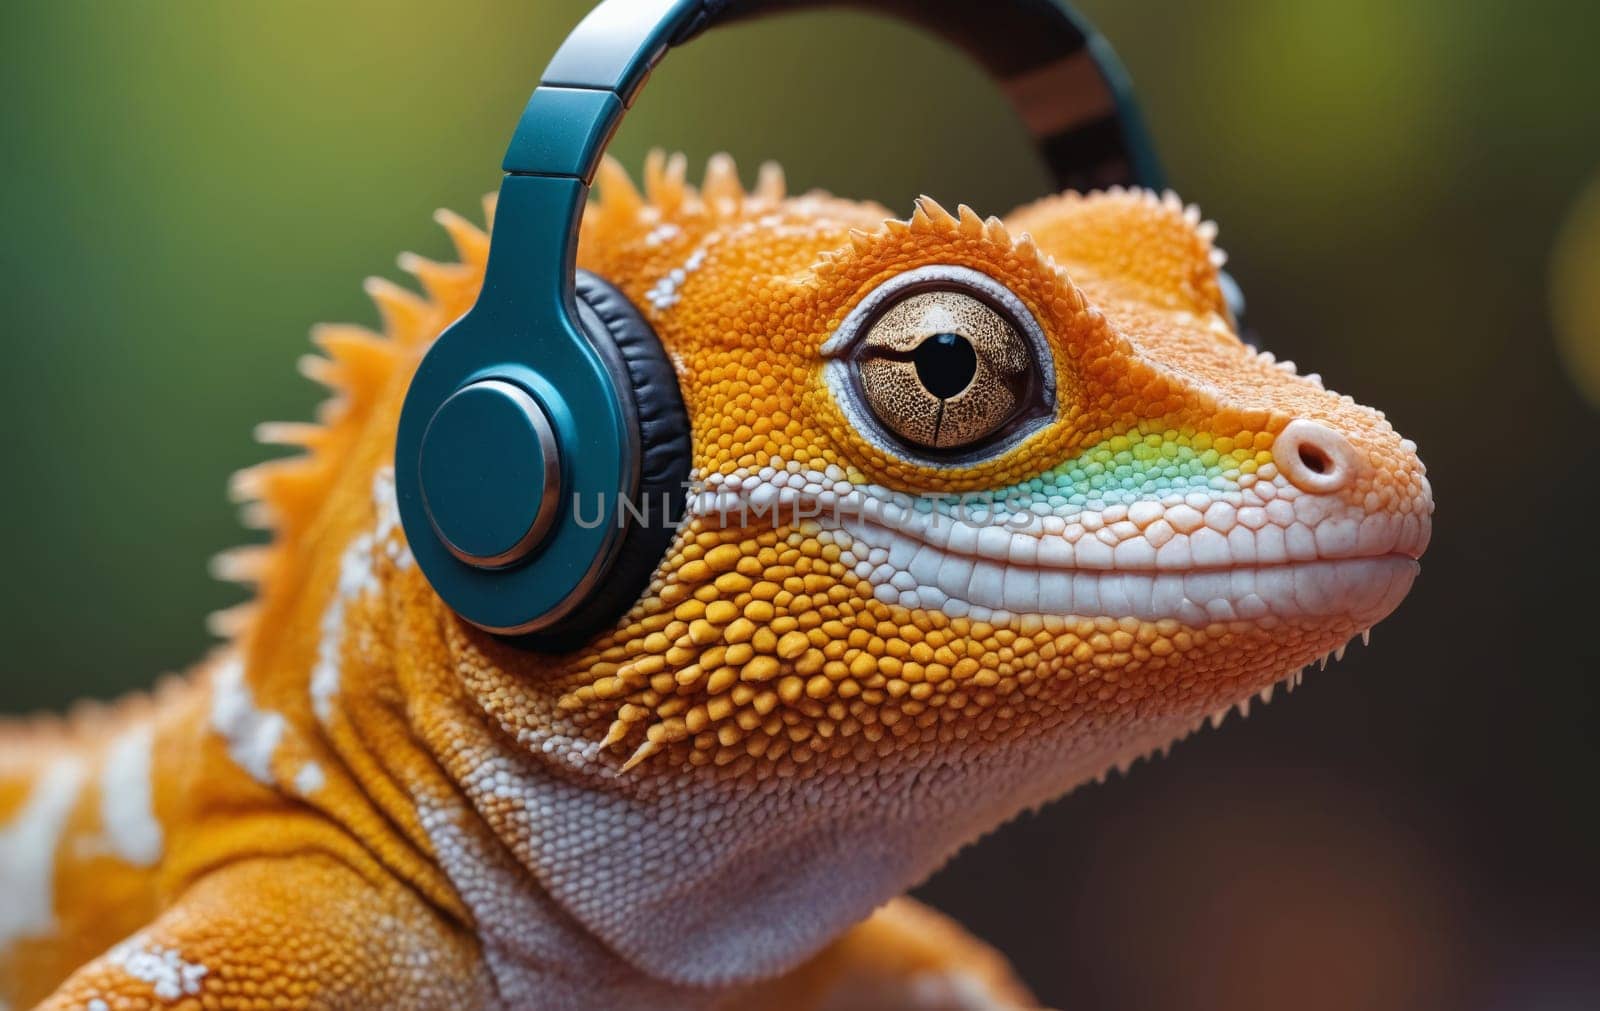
(1314, 457)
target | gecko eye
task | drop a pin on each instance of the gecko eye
(943, 360)
(942, 369)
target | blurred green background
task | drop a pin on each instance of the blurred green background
(1409, 194)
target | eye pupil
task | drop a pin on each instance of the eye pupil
(945, 364)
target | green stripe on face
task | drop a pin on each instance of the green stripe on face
(1128, 468)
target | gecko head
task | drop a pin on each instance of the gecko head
(967, 486)
(982, 509)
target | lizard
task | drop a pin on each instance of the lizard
(897, 612)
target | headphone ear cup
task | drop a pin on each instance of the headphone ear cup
(645, 376)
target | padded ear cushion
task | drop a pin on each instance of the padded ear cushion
(648, 382)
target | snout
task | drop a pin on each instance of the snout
(1364, 493)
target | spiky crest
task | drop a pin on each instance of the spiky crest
(669, 198)
(358, 366)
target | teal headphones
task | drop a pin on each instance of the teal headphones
(553, 390)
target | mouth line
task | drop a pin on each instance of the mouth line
(1396, 556)
(1129, 551)
(1358, 588)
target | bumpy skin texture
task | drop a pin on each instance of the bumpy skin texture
(839, 674)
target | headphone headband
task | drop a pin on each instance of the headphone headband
(513, 428)
(1061, 76)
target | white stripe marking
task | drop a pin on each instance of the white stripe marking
(309, 779)
(252, 734)
(355, 578)
(28, 852)
(127, 809)
(168, 973)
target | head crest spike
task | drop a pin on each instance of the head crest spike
(721, 188)
(245, 565)
(930, 214)
(620, 200)
(664, 180)
(230, 622)
(405, 313)
(290, 433)
(451, 286)
(655, 167)
(971, 224)
(770, 183)
(471, 242)
(359, 361)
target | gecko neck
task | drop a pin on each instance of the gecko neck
(688, 881)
